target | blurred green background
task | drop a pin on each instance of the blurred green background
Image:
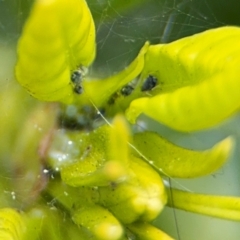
(122, 28)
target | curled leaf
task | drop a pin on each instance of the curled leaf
(12, 225)
(44, 223)
(103, 158)
(140, 198)
(118, 148)
(99, 222)
(178, 162)
(202, 74)
(58, 37)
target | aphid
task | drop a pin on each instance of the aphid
(76, 79)
(113, 98)
(127, 90)
(149, 83)
(78, 89)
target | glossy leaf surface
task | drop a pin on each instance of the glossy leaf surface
(12, 225)
(198, 77)
(58, 37)
(98, 221)
(179, 162)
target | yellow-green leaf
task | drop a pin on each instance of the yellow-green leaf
(103, 158)
(142, 197)
(44, 222)
(58, 36)
(100, 91)
(12, 225)
(202, 73)
(178, 162)
(100, 223)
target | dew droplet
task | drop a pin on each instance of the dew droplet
(13, 195)
(45, 171)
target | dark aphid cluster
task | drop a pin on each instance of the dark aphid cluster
(76, 78)
(149, 83)
(127, 90)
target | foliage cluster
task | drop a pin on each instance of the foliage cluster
(101, 179)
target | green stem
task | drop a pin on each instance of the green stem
(225, 207)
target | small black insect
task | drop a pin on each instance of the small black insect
(113, 98)
(149, 83)
(78, 89)
(127, 90)
(76, 77)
